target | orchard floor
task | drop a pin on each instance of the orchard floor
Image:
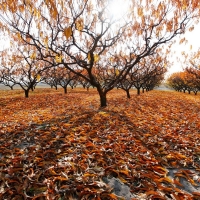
(62, 146)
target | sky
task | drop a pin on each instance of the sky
(193, 39)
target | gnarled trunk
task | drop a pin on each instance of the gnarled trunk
(102, 95)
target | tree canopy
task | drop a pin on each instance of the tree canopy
(85, 35)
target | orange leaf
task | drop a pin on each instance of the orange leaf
(68, 32)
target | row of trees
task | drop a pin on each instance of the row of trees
(145, 75)
(189, 79)
(87, 39)
(184, 81)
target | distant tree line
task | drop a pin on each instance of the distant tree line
(187, 80)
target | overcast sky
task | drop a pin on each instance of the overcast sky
(193, 38)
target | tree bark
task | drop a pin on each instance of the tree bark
(103, 100)
(26, 93)
(128, 94)
(102, 95)
(138, 91)
(65, 90)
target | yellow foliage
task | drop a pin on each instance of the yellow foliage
(46, 41)
(36, 13)
(68, 32)
(58, 58)
(38, 77)
(184, 4)
(140, 12)
(89, 57)
(19, 36)
(111, 59)
(79, 24)
(33, 56)
(96, 57)
(105, 114)
(117, 72)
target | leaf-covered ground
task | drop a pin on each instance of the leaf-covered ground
(56, 146)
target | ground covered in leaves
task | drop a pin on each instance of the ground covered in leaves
(56, 146)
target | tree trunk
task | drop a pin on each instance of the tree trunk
(102, 95)
(65, 90)
(142, 90)
(87, 88)
(138, 91)
(188, 91)
(103, 100)
(128, 94)
(26, 93)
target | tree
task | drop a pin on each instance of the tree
(192, 80)
(193, 64)
(79, 34)
(126, 84)
(176, 82)
(149, 72)
(3, 80)
(184, 81)
(64, 78)
(49, 77)
(22, 67)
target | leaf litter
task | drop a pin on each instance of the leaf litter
(56, 146)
